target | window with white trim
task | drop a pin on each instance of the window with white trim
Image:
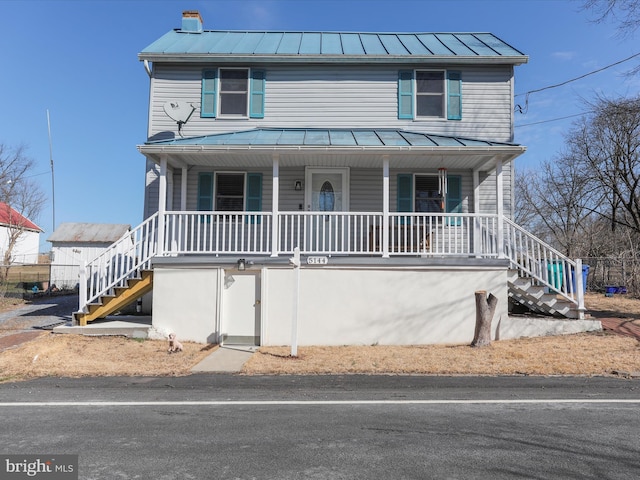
(234, 92)
(430, 90)
(424, 94)
(229, 192)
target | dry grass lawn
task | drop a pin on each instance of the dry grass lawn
(582, 354)
(75, 356)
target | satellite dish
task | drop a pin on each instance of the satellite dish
(178, 111)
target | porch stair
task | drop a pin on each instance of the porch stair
(537, 298)
(540, 277)
(117, 299)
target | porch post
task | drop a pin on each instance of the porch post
(162, 203)
(385, 206)
(500, 207)
(579, 288)
(275, 216)
(477, 230)
(183, 190)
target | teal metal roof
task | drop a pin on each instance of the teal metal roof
(329, 137)
(331, 44)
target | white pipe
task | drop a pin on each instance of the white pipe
(147, 68)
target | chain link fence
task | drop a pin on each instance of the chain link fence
(25, 281)
(604, 272)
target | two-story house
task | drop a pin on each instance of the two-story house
(330, 188)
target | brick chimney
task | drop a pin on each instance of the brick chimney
(191, 21)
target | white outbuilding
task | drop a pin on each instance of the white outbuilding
(73, 244)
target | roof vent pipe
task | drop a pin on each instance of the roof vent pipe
(191, 21)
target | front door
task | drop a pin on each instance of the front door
(327, 190)
(241, 308)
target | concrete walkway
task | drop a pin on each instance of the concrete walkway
(226, 359)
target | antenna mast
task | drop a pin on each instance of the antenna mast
(53, 183)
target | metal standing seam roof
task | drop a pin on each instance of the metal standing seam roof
(329, 138)
(332, 44)
(89, 232)
(9, 217)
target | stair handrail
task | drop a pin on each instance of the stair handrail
(124, 259)
(539, 260)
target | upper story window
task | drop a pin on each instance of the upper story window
(430, 94)
(424, 94)
(233, 93)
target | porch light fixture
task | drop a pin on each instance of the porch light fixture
(298, 185)
(241, 264)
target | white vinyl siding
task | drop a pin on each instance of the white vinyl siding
(487, 189)
(338, 97)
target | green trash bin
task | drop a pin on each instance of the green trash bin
(555, 273)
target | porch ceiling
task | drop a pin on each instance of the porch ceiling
(331, 148)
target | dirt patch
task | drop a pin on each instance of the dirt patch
(583, 354)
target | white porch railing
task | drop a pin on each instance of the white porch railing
(327, 233)
(122, 260)
(550, 268)
(217, 233)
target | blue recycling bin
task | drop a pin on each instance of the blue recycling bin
(585, 274)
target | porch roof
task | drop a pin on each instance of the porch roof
(330, 138)
(353, 147)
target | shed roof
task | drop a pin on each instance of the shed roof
(89, 232)
(178, 45)
(9, 217)
(330, 138)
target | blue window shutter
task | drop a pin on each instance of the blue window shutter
(208, 104)
(256, 99)
(254, 195)
(205, 191)
(454, 198)
(454, 91)
(405, 94)
(405, 192)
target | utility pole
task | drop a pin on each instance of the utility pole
(53, 183)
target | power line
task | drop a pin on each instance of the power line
(524, 109)
(551, 120)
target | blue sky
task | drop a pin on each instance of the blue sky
(78, 59)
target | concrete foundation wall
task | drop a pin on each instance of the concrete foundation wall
(386, 307)
(185, 302)
(337, 305)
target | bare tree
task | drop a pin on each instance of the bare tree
(557, 200)
(606, 145)
(625, 12)
(19, 194)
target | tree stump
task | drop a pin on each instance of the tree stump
(485, 308)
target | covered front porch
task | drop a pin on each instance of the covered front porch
(381, 193)
(357, 205)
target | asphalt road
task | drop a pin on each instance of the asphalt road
(329, 427)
